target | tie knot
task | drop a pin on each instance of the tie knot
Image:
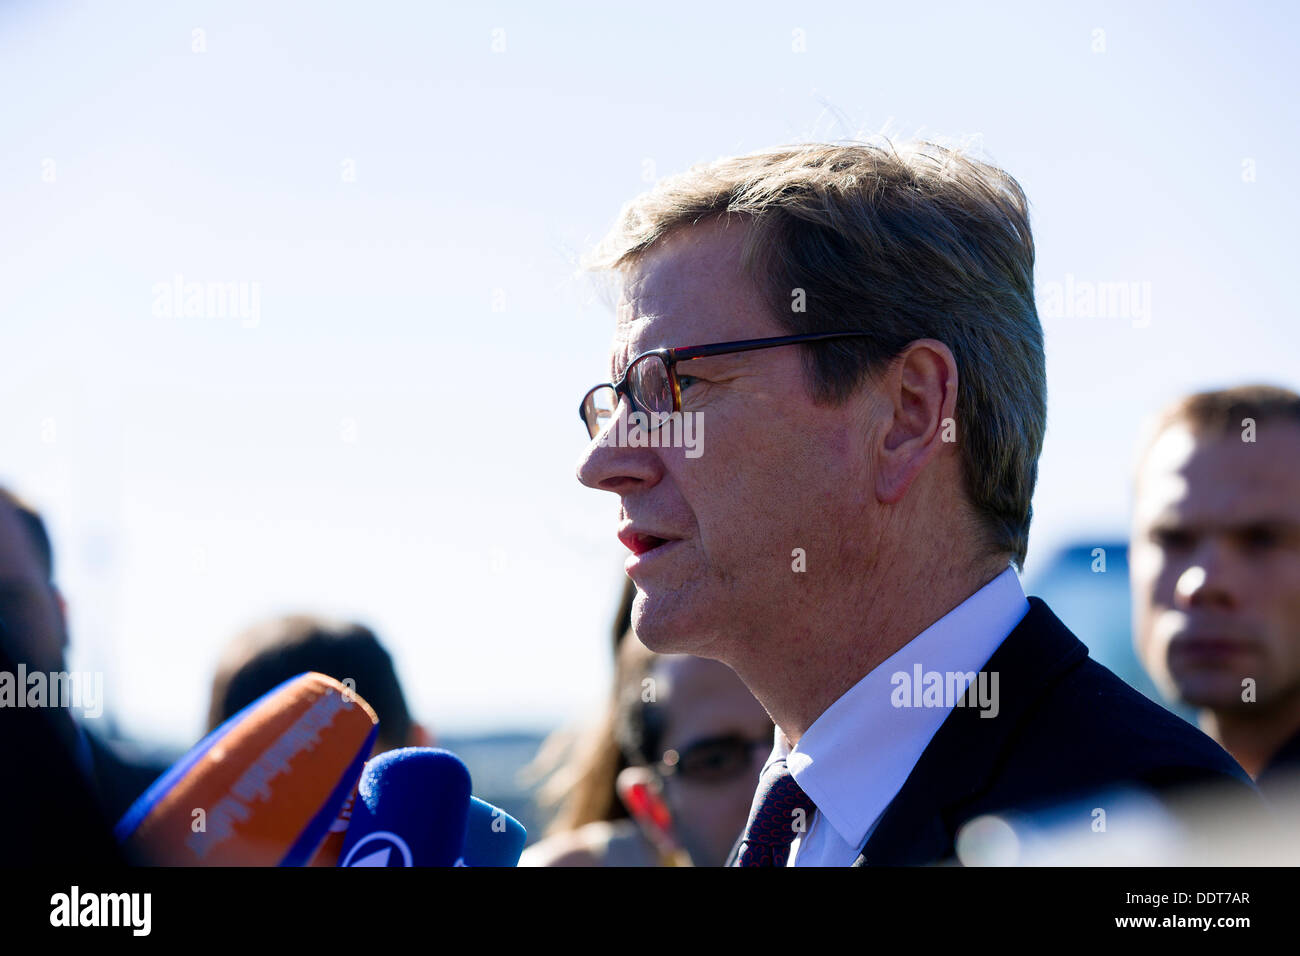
(780, 812)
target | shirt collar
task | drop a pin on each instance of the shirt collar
(856, 756)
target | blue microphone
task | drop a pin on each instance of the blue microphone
(412, 808)
(493, 837)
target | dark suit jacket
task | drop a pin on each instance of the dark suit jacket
(119, 778)
(50, 808)
(1282, 775)
(1066, 727)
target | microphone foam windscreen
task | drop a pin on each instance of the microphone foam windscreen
(263, 788)
(411, 810)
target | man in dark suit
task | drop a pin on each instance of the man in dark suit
(55, 813)
(855, 325)
(32, 612)
(1067, 729)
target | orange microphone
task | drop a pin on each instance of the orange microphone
(263, 789)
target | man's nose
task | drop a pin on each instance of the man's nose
(1208, 580)
(609, 463)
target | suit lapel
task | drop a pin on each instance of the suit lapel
(956, 765)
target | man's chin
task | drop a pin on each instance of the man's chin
(1217, 692)
(667, 624)
(665, 639)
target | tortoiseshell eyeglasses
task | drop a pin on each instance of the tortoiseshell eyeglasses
(650, 380)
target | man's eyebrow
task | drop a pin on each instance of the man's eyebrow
(1169, 522)
(1281, 523)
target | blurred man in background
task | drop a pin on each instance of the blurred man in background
(35, 613)
(1215, 560)
(271, 652)
(49, 794)
(30, 602)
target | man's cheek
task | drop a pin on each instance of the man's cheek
(1154, 639)
(1278, 578)
(1164, 585)
(1146, 562)
(703, 807)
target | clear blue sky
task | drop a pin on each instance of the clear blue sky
(411, 203)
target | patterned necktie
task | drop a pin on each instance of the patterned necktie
(780, 812)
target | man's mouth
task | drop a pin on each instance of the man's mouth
(1209, 649)
(639, 542)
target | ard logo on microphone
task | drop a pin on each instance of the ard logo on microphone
(380, 848)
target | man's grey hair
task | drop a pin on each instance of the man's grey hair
(904, 242)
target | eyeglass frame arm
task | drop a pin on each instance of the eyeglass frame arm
(672, 356)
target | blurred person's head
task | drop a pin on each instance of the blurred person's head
(31, 607)
(273, 651)
(678, 749)
(579, 767)
(897, 466)
(1216, 563)
(695, 740)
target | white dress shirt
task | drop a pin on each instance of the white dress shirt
(856, 756)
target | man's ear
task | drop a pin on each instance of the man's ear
(640, 792)
(419, 736)
(920, 389)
